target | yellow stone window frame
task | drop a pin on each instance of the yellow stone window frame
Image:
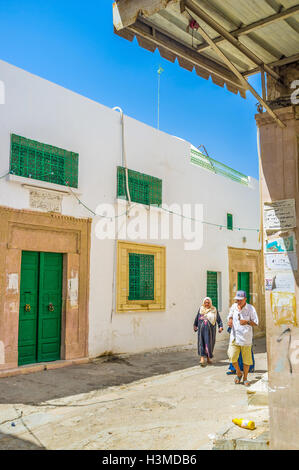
(123, 304)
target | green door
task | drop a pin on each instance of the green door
(49, 315)
(244, 284)
(40, 307)
(28, 307)
(212, 287)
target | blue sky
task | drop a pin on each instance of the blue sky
(72, 43)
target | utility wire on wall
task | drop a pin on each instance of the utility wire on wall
(165, 210)
(127, 211)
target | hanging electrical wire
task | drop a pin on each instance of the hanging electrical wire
(3, 176)
(165, 210)
(80, 202)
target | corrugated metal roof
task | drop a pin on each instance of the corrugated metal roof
(268, 28)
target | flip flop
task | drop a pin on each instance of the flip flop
(246, 383)
(238, 379)
(230, 372)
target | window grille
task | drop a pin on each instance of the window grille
(32, 159)
(229, 224)
(143, 188)
(212, 287)
(141, 277)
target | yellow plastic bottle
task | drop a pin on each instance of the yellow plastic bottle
(244, 423)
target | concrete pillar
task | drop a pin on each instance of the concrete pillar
(279, 180)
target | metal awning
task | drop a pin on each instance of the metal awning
(225, 40)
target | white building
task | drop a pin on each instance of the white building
(95, 308)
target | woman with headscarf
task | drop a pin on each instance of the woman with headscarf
(205, 324)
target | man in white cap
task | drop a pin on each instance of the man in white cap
(241, 318)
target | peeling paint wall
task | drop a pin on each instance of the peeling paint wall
(73, 289)
(13, 283)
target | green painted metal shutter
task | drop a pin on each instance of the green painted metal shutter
(144, 189)
(32, 159)
(230, 224)
(141, 277)
(50, 296)
(244, 283)
(212, 287)
(28, 316)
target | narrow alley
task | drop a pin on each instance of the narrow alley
(156, 400)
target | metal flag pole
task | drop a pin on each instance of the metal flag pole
(159, 71)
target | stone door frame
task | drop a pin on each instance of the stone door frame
(247, 260)
(25, 230)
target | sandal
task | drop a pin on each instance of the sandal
(238, 379)
(230, 372)
(246, 383)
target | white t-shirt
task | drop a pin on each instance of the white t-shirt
(242, 334)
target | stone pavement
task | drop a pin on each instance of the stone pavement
(156, 400)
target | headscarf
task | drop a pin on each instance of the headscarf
(210, 313)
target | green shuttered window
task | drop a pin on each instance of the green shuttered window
(32, 159)
(141, 277)
(212, 287)
(144, 189)
(230, 224)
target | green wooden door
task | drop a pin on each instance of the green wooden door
(28, 307)
(40, 307)
(244, 284)
(212, 287)
(49, 317)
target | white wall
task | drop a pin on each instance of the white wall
(40, 110)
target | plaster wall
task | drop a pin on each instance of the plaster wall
(279, 180)
(40, 110)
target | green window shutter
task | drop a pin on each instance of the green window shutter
(144, 189)
(229, 222)
(141, 277)
(32, 159)
(212, 287)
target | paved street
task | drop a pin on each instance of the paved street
(157, 400)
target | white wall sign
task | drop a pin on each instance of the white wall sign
(283, 282)
(44, 200)
(279, 261)
(279, 214)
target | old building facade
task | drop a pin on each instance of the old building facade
(95, 259)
